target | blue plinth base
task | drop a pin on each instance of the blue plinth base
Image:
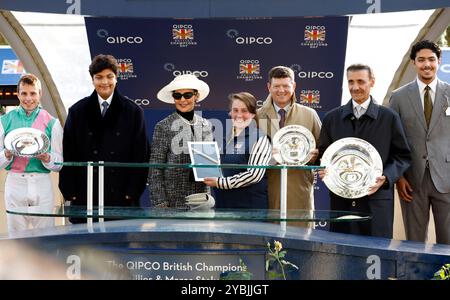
(186, 249)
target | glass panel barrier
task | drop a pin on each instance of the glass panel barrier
(181, 214)
(185, 166)
(283, 215)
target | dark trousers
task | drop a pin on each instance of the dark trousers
(381, 211)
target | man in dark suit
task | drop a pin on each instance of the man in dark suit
(363, 118)
(105, 126)
(423, 106)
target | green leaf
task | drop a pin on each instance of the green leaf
(236, 275)
(272, 275)
(289, 264)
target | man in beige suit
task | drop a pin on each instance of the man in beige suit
(280, 109)
(424, 109)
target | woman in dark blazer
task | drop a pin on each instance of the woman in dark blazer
(170, 186)
(245, 144)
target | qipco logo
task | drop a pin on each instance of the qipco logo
(170, 67)
(196, 73)
(103, 33)
(143, 102)
(249, 61)
(315, 74)
(248, 40)
(182, 26)
(314, 27)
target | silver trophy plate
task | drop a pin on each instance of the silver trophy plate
(352, 166)
(294, 144)
(27, 142)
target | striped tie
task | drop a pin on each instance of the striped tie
(105, 108)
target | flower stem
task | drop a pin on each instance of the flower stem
(282, 268)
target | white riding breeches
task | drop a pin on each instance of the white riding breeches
(32, 190)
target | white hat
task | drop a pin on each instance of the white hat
(185, 81)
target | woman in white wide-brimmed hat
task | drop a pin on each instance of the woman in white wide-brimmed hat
(170, 186)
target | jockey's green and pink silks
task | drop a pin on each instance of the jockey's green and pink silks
(38, 119)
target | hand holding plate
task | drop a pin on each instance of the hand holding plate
(27, 142)
(8, 154)
(44, 157)
(379, 181)
(322, 173)
(294, 144)
(314, 153)
(353, 167)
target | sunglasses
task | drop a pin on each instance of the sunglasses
(187, 95)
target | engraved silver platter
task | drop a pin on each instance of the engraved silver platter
(352, 166)
(294, 144)
(27, 142)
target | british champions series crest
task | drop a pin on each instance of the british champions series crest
(249, 70)
(183, 35)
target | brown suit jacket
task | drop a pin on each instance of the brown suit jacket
(300, 182)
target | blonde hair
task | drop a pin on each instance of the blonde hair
(29, 79)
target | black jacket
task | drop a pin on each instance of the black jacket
(120, 136)
(381, 127)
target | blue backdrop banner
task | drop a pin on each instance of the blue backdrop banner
(444, 69)
(231, 55)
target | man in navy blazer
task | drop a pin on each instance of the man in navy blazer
(423, 106)
(362, 118)
(105, 126)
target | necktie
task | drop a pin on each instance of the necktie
(427, 105)
(105, 108)
(359, 111)
(282, 113)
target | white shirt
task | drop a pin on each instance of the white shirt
(277, 109)
(432, 85)
(101, 100)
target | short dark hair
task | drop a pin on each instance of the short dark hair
(425, 44)
(281, 72)
(361, 67)
(29, 79)
(102, 62)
